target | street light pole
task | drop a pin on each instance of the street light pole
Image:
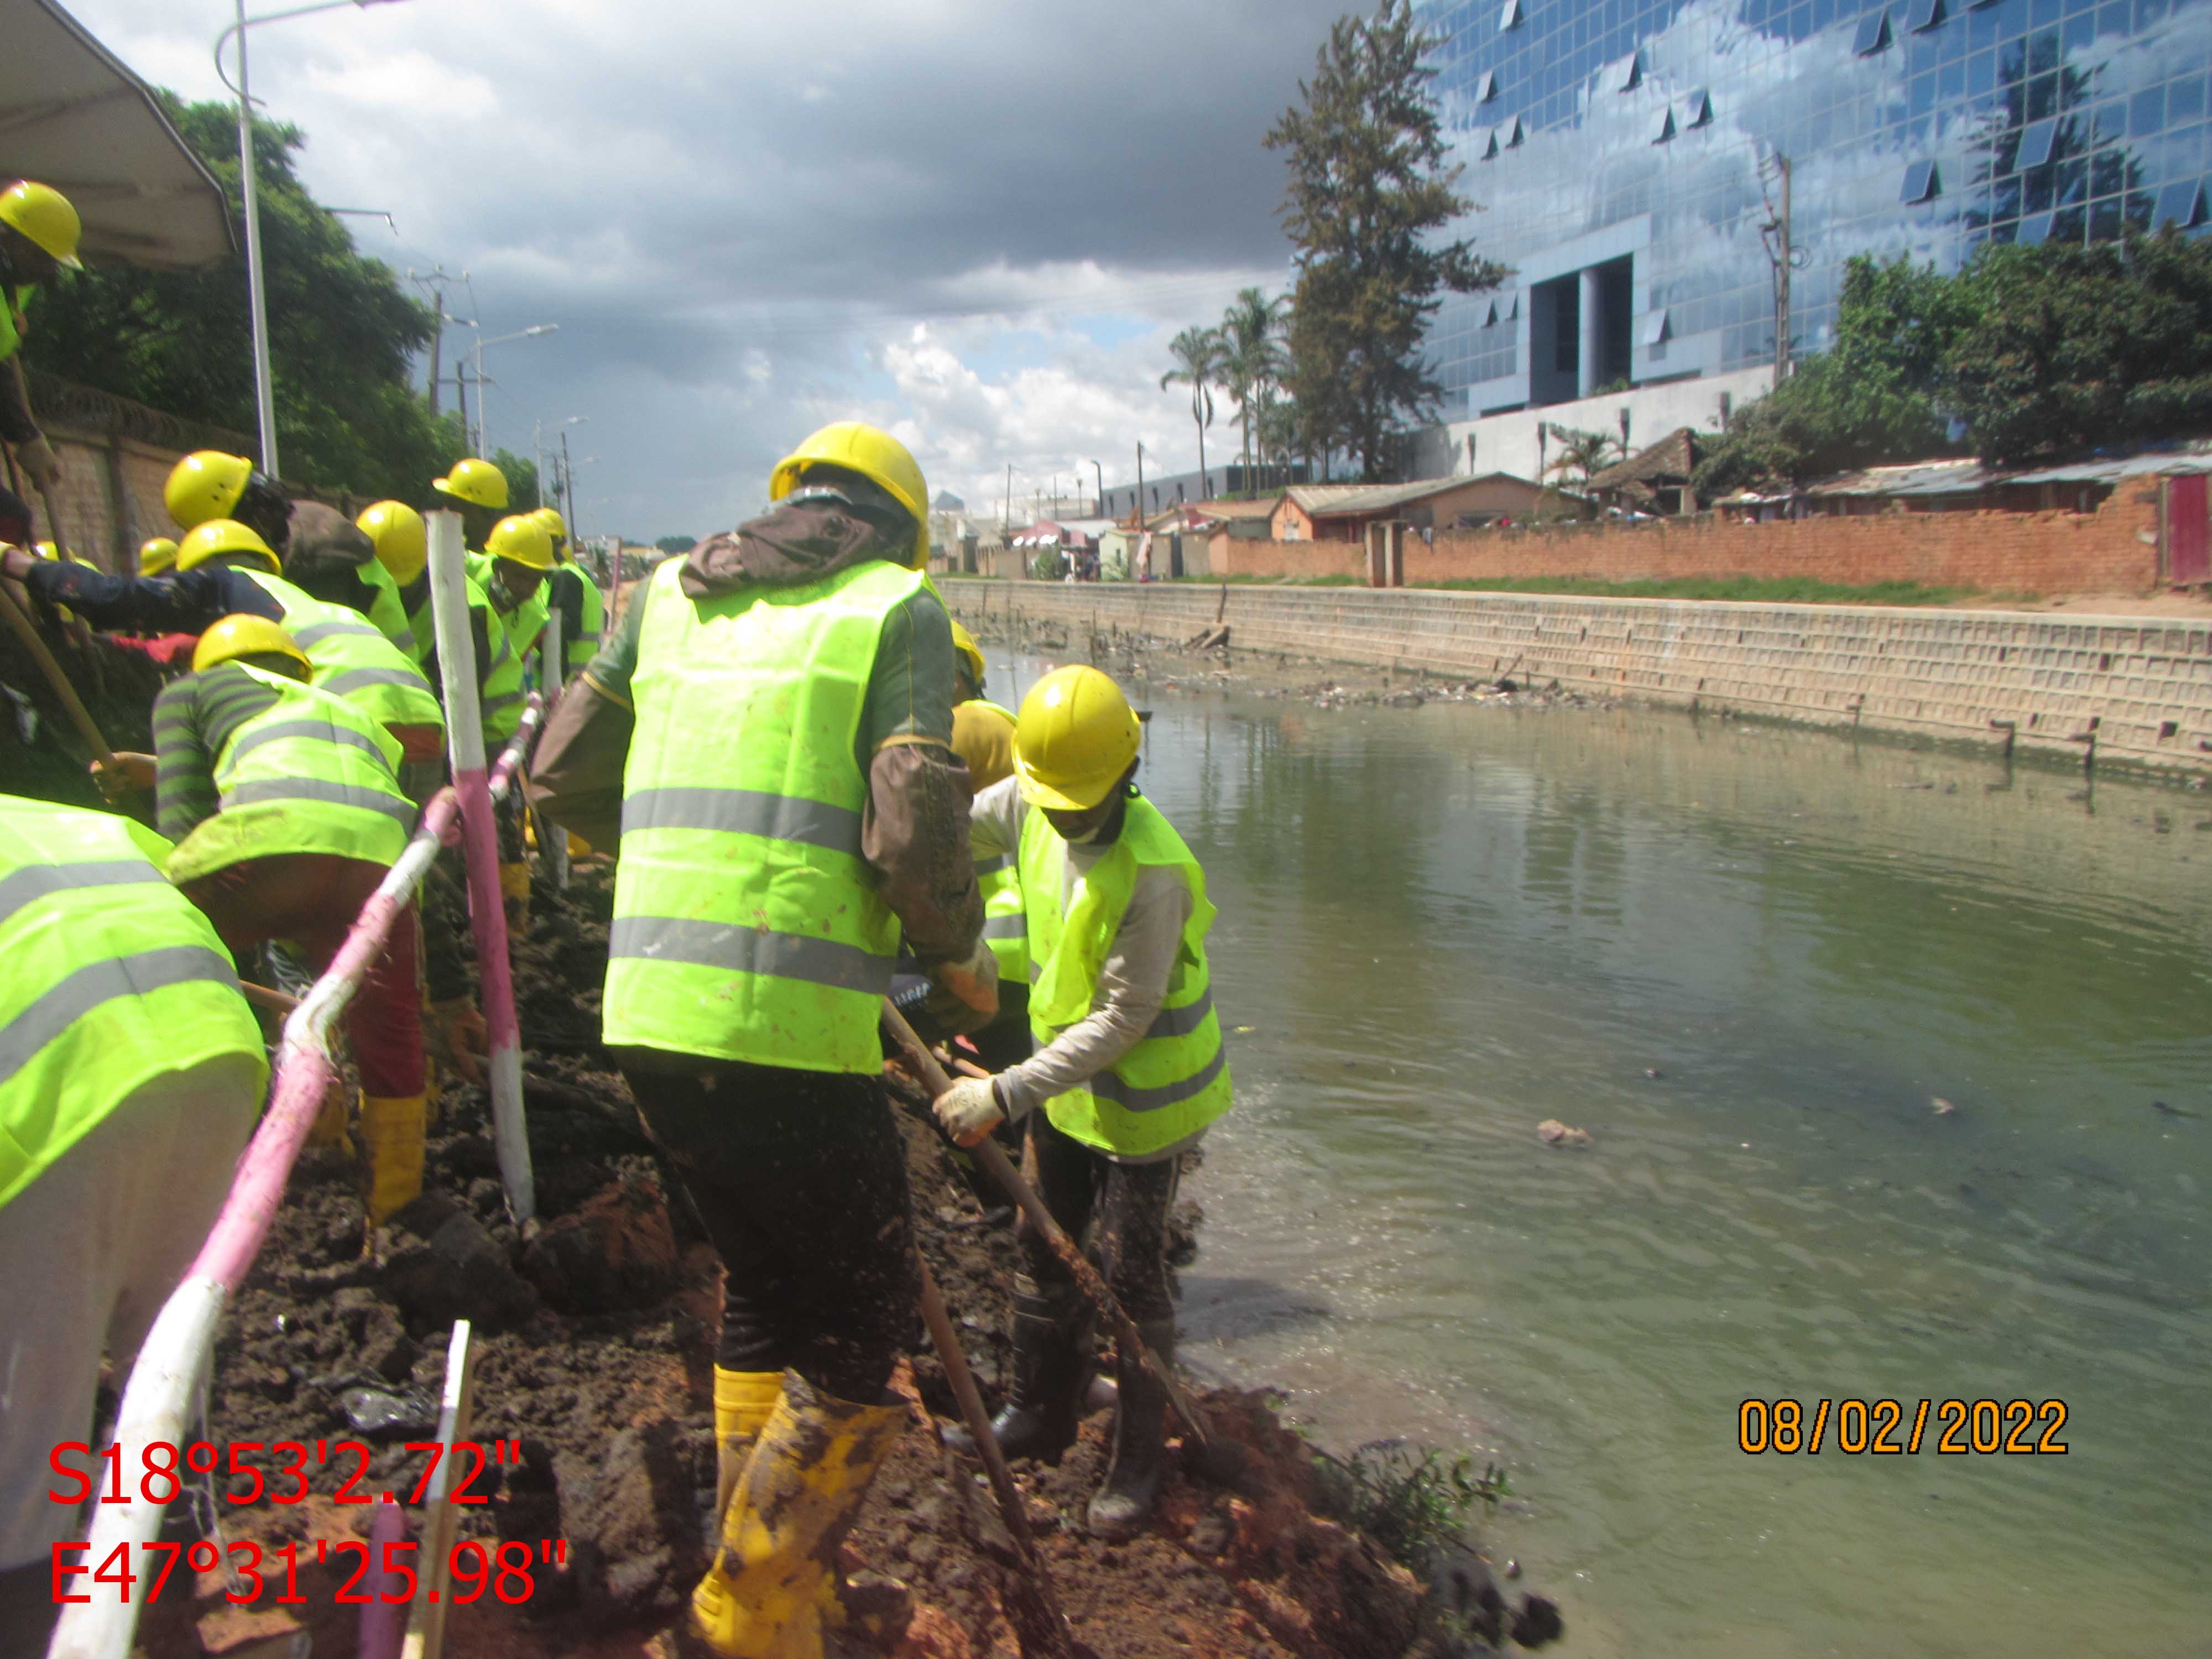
(256, 297)
(483, 401)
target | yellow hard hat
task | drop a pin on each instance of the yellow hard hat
(243, 634)
(965, 643)
(521, 536)
(206, 484)
(42, 214)
(551, 518)
(1076, 736)
(157, 556)
(875, 455)
(221, 536)
(478, 482)
(403, 545)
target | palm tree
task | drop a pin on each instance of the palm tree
(1583, 455)
(1198, 355)
(1252, 355)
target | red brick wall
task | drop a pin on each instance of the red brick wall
(102, 524)
(1233, 557)
(2113, 549)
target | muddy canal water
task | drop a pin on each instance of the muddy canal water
(1751, 962)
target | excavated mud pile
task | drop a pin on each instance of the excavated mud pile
(41, 753)
(594, 1354)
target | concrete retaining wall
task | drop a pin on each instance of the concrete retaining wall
(2143, 685)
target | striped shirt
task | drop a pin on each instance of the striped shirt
(193, 717)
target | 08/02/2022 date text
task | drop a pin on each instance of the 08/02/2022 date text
(505, 1571)
(1986, 1427)
(163, 1466)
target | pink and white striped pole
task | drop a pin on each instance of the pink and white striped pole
(157, 1402)
(456, 665)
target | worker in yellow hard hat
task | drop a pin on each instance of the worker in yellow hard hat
(284, 802)
(1129, 1068)
(156, 554)
(983, 736)
(773, 723)
(575, 595)
(477, 489)
(212, 483)
(38, 235)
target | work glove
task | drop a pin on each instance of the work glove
(39, 463)
(968, 1110)
(964, 995)
(454, 1031)
(131, 771)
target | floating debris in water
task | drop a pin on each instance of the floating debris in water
(1552, 1133)
(1943, 1107)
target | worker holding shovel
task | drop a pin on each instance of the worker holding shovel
(777, 708)
(1129, 1069)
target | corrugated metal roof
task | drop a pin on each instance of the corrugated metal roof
(2111, 471)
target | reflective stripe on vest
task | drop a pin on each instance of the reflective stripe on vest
(591, 623)
(1176, 1081)
(747, 925)
(114, 979)
(353, 660)
(311, 774)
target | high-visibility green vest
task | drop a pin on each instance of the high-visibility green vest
(1176, 1081)
(580, 650)
(1005, 927)
(12, 299)
(113, 978)
(311, 774)
(513, 630)
(352, 658)
(747, 925)
(388, 612)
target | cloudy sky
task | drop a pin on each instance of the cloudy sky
(976, 222)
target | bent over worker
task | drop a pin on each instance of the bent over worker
(287, 813)
(1129, 1070)
(39, 234)
(131, 1069)
(778, 701)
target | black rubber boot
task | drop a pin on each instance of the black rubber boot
(1040, 1415)
(1132, 1478)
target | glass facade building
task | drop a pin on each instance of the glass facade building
(1622, 155)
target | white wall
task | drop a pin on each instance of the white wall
(1507, 443)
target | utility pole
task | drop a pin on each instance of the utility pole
(1099, 472)
(1141, 484)
(1010, 495)
(568, 489)
(1775, 233)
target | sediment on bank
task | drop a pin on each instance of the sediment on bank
(2132, 688)
(596, 1331)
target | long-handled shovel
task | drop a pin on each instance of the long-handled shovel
(79, 628)
(1039, 1624)
(987, 1153)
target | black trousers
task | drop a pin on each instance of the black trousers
(800, 1178)
(1131, 1201)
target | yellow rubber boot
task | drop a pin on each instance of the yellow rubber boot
(393, 1131)
(808, 1475)
(743, 1401)
(514, 889)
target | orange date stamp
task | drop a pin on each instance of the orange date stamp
(1900, 1428)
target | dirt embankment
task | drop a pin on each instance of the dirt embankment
(595, 1348)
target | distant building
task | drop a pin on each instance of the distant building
(1622, 160)
(1179, 488)
(1342, 513)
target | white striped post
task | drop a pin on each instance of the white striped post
(457, 661)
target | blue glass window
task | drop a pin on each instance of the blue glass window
(1921, 184)
(1511, 17)
(2181, 204)
(2036, 144)
(2035, 229)
(1666, 127)
(1655, 329)
(1924, 15)
(2147, 112)
(2185, 100)
(1698, 109)
(1874, 33)
(1486, 86)
(1630, 75)
(1515, 134)
(1488, 148)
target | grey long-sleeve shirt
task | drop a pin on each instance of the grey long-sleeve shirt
(1133, 982)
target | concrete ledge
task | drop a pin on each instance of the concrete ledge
(2141, 685)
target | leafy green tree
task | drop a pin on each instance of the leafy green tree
(1872, 398)
(1252, 356)
(2073, 349)
(676, 544)
(342, 332)
(1369, 189)
(1198, 354)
